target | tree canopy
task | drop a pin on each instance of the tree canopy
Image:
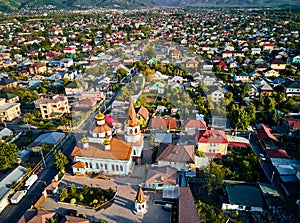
(8, 155)
(60, 160)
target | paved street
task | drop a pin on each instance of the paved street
(12, 213)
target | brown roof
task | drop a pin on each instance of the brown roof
(162, 175)
(71, 219)
(79, 164)
(187, 211)
(159, 122)
(132, 120)
(76, 151)
(140, 196)
(143, 112)
(178, 154)
(193, 123)
(119, 150)
(36, 216)
(101, 128)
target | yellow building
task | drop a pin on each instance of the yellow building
(213, 141)
(52, 106)
(9, 111)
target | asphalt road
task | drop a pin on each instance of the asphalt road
(12, 213)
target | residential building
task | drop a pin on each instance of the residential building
(8, 83)
(212, 141)
(191, 126)
(241, 201)
(75, 88)
(176, 156)
(241, 76)
(292, 88)
(37, 68)
(9, 111)
(52, 106)
(217, 93)
(278, 64)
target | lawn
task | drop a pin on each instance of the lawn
(86, 196)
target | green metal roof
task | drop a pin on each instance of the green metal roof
(241, 194)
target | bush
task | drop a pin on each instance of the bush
(73, 201)
(81, 197)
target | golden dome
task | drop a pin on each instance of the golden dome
(106, 142)
(99, 116)
(118, 125)
(85, 140)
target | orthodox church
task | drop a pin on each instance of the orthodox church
(108, 149)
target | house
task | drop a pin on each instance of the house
(238, 200)
(69, 49)
(162, 138)
(159, 178)
(278, 64)
(265, 90)
(227, 54)
(8, 83)
(191, 63)
(271, 73)
(290, 125)
(212, 141)
(255, 51)
(271, 197)
(52, 106)
(191, 126)
(241, 76)
(276, 153)
(217, 93)
(264, 133)
(268, 46)
(292, 88)
(66, 62)
(75, 88)
(156, 87)
(296, 59)
(9, 97)
(5, 132)
(164, 123)
(38, 68)
(50, 138)
(187, 211)
(9, 111)
(176, 80)
(142, 116)
(5, 191)
(176, 156)
(37, 215)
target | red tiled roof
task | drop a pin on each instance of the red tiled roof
(193, 123)
(163, 123)
(214, 155)
(212, 136)
(277, 153)
(265, 133)
(143, 112)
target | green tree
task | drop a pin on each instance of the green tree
(150, 52)
(215, 175)
(239, 118)
(269, 103)
(64, 194)
(8, 155)
(60, 160)
(251, 110)
(73, 189)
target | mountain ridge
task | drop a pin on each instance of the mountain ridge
(15, 5)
